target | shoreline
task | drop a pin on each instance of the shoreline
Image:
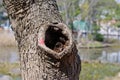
(95, 44)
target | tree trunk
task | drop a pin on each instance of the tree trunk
(46, 47)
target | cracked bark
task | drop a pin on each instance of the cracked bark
(36, 23)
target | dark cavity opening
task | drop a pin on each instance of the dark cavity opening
(55, 39)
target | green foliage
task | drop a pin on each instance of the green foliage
(85, 9)
(71, 25)
(2, 7)
(77, 12)
(98, 37)
(117, 10)
(96, 28)
(108, 18)
(69, 9)
(117, 24)
(108, 6)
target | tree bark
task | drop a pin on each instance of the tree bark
(46, 47)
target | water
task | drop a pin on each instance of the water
(113, 37)
(109, 55)
(9, 54)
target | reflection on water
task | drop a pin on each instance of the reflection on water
(111, 55)
(8, 54)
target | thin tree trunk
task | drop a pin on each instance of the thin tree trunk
(46, 47)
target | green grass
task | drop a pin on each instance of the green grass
(90, 71)
(98, 71)
(91, 44)
(5, 68)
(95, 44)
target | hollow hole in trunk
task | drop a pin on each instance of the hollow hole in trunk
(55, 39)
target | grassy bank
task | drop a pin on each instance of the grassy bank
(98, 71)
(7, 39)
(96, 44)
(90, 70)
(6, 69)
(93, 44)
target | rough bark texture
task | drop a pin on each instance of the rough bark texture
(47, 51)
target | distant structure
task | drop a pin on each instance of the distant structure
(109, 31)
(6, 25)
(4, 22)
(81, 28)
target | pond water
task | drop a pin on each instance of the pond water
(9, 54)
(110, 55)
(105, 55)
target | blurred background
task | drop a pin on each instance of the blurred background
(95, 25)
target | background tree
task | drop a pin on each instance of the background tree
(102, 8)
(69, 9)
(46, 47)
